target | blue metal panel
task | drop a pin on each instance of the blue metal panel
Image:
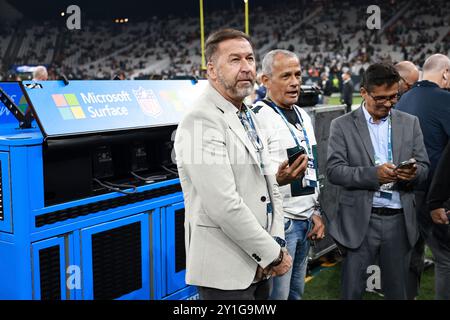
(6, 222)
(106, 196)
(104, 216)
(74, 243)
(26, 137)
(175, 280)
(35, 177)
(36, 247)
(188, 293)
(164, 253)
(157, 202)
(20, 260)
(155, 255)
(15, 278)
(86, 255)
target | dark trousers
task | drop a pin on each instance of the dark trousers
(257, 291)
(441, 257)
(416, 268)
(386, 243)
(348, 108)
(418, 252)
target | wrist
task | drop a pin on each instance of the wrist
(278, 260)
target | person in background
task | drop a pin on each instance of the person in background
(428, 101)
(234, 214)
(327, 88)
(376, 218)
(290, 128)
(439, 193)
(40, 74)
(409, 75)
(347, 91)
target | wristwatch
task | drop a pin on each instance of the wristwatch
(278, 260)
(280, 241)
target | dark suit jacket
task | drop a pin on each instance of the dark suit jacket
(440, 186)
(327, 88)
(347, 93)
(351, 166)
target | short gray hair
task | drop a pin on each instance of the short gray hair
(267, 63)
(40, 72)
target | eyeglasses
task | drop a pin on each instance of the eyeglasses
(383, 99)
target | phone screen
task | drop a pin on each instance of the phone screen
(295, 155)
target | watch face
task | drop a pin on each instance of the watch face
(280, 241)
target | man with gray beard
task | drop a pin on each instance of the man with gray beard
(234, 231)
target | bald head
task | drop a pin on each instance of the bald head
(437, 69)
(436, 63)
(409, 74)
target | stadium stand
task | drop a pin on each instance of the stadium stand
(329, 36)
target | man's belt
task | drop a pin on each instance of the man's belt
(386, 211)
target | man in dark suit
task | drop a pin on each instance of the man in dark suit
(327, 87)
(376, 218)
(440, 190)
(347, 91)
(430, 103)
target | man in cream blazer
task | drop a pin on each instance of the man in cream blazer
(234, 220)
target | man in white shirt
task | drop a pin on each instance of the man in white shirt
(289, 129)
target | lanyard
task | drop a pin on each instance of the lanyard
(300, 118)
(390, 156)
(256, 141)
(252, 133)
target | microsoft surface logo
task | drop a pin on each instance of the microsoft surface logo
(68, 106)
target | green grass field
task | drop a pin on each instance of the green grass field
(336, 100)
(325, 284)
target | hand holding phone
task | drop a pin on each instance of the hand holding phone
(295, 155)
(292, 168)
(406, 170)
(408, 164)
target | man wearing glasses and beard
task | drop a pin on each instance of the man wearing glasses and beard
(376, 220)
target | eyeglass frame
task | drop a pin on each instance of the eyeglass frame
(383, 99)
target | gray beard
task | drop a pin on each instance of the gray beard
(239, 93)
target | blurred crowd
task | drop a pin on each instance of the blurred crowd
(329, 36)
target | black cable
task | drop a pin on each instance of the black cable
(169, 170)
(116, 187)
(150, 178)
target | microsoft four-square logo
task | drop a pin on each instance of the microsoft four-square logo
(68, 106)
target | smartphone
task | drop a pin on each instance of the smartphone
(295, 155)
(408, 164)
